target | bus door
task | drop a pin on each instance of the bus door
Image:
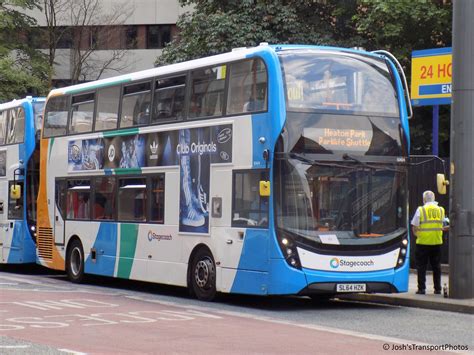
(239, 222)
(60, 211)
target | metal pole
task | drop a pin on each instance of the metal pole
(462, 153)
(435, 130)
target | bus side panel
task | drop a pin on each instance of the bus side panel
(285, 280)
(250, 282)
(401, 278)
(105, 246)
(252, 269)
(22, 248)
(49, 254)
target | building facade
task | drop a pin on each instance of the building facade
(102, 38)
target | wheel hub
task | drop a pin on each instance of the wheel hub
(76, 261)
(202, 273)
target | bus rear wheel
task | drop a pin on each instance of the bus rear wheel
(75, 262)
(203, 276)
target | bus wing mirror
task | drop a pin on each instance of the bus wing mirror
(264, 188)
(15, 192)
(441, 183)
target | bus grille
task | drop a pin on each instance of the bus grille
(45, 243)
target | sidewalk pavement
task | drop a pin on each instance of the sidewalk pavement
(411, 299)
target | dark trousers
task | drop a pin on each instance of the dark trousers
(423, 254)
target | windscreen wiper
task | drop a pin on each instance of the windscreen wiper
(302, 158)
(346, 156)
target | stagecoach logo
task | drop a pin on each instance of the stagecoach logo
(154, 236)
(111, 153)
(154, 150)
(75, 153)
(224, 155)
(224, 136)
(334, 263)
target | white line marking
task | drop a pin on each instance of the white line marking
(72, 352)
(14, 346)
(8, 284)
(289, 323)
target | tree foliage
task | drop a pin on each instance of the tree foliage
(218, 26)
(23, 70)
(401, 26)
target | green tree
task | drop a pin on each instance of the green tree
(23, 70)
(217, 26)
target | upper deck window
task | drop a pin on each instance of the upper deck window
(55, 121)
(136, 105)
(82, 113)
(169, 99)
(108, 100)
(38, 108)
(343, 82)
(3, 124)
(247, 87)
(207, 92)
(16, 126)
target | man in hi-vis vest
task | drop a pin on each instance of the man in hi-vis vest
(428, 226)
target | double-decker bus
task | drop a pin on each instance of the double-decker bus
(272, 170)
(20, 124)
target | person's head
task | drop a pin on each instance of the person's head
(428, 196)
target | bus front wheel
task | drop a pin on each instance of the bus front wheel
(75, 262)
(203, 275)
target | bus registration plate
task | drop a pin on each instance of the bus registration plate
(350, 287)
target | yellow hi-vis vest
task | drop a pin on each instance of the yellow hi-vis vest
(430, 230)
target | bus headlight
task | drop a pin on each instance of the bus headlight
(402, 255)
(288, 249)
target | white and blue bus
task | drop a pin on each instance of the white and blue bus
(20, 124)
(274, 170)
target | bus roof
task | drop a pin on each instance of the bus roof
(16, 103)
(238, 53)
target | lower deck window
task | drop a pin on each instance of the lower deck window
(132, 199)
(112, 198)
(78, 199)
(15, 207)
(104, 198)
(249, 209)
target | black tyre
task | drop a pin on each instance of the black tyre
(203, 276)
(75, 262)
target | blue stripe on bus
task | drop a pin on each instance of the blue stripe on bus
(252, 273)
(106, 251)
(22, 248)
(402, 105)
(285, 280)
(259, 273)
(29, 139)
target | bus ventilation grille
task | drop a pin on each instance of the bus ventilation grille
(45, 243)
